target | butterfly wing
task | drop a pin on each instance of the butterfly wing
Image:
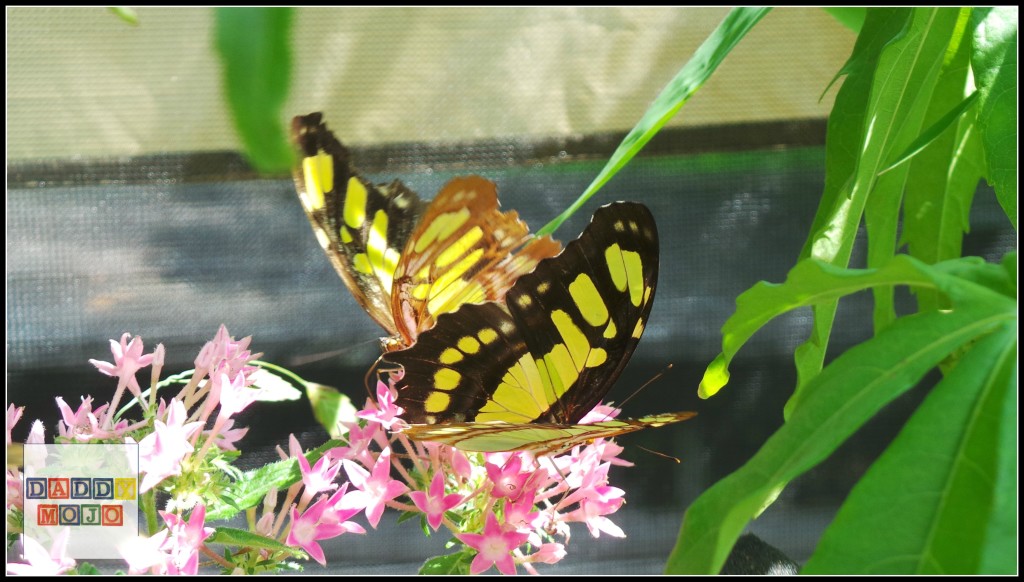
(362, 227)
(465, 250)
(557, 344)
(538, 438)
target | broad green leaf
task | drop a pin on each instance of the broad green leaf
(923, 506)
(847, 393)
(813, 282)
(836, 221)
(254, 485)
(254, 46)
(852, 18)
(331, 408)
(999, 554)
(691, 77)
(229, 536)
(995, 71)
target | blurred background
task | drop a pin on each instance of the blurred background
(130, 208)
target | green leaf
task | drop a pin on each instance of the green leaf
(448, 565)
(253, 486)
(254, 45)
(934, 131)
(273, 388)
(908, 71)
(126, 14)
(836, 221)
(813, 282)
(995, 71)
(229, 536)
(846, 394)
(925, 506)
(330, 407)
(852, 18)
(944, 177)
(691, 77)
(87, 569)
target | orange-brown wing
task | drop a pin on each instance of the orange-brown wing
(361, 226)
(464, 250)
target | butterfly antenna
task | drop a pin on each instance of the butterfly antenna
(319, 357)
(662, 455)
(645, 385)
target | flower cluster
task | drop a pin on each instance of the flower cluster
(502, 509)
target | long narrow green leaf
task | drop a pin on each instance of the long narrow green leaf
(995, 70)
(254, 45)
(859, 383)
(933, 132)
(691, 77)
(924, 505)
(944, 176)
(838, 216)
(908, 71)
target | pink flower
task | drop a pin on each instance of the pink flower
(359, 439)
(128, 359)
(375, 489)
(233, 394)
(224, 355)
(494, 547)
(318, 478)
(39, 562)
(13, 416)
(435, 502)
(597, 503)
(322, 520)
(507, 480)
(386, 412)
(146, 554)
(186, 538)
(161, 452)
(228, 436)
(550, 553)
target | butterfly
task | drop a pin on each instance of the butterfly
(521, 373)
(407, 261)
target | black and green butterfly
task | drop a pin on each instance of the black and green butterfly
(520, 374)
(404, 260)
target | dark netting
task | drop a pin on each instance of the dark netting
(169, 247)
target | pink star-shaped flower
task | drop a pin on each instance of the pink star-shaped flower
(161, 452)
(386, 412)
(375, 489)
(322, 520)
(185, 538)
(319, 477)
(508, 481)
(128, 359)
(434, 503)
(493, 547)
